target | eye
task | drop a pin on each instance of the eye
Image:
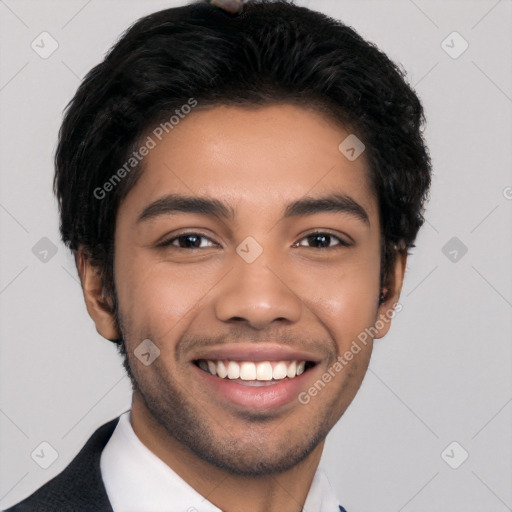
(323, 241)
(188, 241)
(192, 240)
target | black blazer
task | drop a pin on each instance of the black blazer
(79, 487)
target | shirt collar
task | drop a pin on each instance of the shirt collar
(136, 479)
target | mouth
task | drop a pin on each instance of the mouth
(258, 386)
(254, 373)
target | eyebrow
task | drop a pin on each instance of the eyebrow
(338, 203)
(174, 203)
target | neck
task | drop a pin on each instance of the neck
(283, 492)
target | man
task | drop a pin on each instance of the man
(240, 188)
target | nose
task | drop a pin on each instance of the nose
(258, 294)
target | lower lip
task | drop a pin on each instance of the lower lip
(256, 397)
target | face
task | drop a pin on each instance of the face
(274, 275)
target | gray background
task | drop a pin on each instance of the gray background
(443, 372)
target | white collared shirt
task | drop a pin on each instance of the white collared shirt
(136, 479)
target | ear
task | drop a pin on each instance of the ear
(393, 287)
(98, 306)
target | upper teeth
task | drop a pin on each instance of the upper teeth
(253, 370)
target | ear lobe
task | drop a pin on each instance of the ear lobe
(391, 295)
(98, 306)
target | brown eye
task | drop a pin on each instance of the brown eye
(188, 241)
(323, 241)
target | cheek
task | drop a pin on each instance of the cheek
(344, 297)
(155, 296)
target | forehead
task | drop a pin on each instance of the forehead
(252, 158)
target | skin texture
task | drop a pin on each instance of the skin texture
(296, 294)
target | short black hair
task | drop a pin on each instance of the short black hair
(272, 52)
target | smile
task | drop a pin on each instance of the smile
(254, 372)
(258, 385)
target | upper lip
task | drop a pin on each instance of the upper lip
(255, 352)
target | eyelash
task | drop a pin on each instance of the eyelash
(169, 242)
